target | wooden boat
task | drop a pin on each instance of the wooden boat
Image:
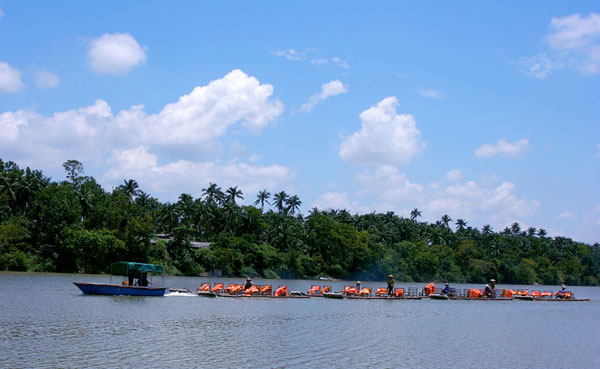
(132, 271)
(480, 298)
(560, 300)
(524, 298)
(333, 295)
(438, 296)
(207, 294)
(383, 297)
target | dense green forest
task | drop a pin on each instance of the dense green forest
(76, 226)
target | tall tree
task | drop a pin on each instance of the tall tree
(233, 193)
(293, 204)
(130, 188)
(414, 214)
(261, 198)
(446, 220)
(279, 200)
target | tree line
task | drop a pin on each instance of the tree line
(76, 226)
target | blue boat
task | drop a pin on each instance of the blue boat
(135, 284)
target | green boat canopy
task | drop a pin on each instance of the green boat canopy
(126, 268)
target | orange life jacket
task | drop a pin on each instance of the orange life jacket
(365, 291)
(218, 287)
(381, 291)
(349, 290)
(399, 292)
(523, 292)
(252, 290)
(281, 291)
(204, 287)
(266, 289)
(535, 293)
(326, 289)
(429, 289)
(314, 289)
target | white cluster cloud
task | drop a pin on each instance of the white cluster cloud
(167, 179)
(10, 79)
(93, 134)
(495, 204)
(574, 41)
(115, 54)
(503, 148)
(579, 36)
(46, 80)
(385, 137)
(312, 56)
(329, 89)
(434, 94)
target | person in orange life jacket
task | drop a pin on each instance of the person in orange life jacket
(561, 294)
(446, 289)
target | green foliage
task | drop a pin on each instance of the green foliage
(76, 226)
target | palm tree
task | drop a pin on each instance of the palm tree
(293, 204)
(461, 224)
(130, 188)
(446, 220)
(279, 200)
(414, 214)
(541, 233)
(213, 194)
(233, 193)
(515, 228)
(261, 198)
(486, 229)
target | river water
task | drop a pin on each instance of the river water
(46, 322)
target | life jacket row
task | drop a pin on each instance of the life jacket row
(238, 289)
(536, 294)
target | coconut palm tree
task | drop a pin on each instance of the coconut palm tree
(461, 224)
(446, 220)
(130, 188)
(486, 229)
(414, 214)
(213, 194)
(261, 198)
(279, 200)
(293, 204)
(232, 193)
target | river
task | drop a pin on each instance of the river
(46, 322)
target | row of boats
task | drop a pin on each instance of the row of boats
(138, 282)
(234, 290)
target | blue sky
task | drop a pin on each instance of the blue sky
(483, 111)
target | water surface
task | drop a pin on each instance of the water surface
(46, 322)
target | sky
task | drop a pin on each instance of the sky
(484, 111)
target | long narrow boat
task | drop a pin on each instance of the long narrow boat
(132, 271)
(560, 300)
(262, 296)
(383, 297)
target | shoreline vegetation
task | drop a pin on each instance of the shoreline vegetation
(75, 226)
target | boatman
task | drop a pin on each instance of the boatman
(248, 283)
(446, 289)
(562, 293)
(390, 283)
(493, 284)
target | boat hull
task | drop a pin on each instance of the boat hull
(118, 290)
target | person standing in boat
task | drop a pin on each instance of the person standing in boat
(446, 289)
(248, 283)
(358, 286)
(493, 284)
(390, 285)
